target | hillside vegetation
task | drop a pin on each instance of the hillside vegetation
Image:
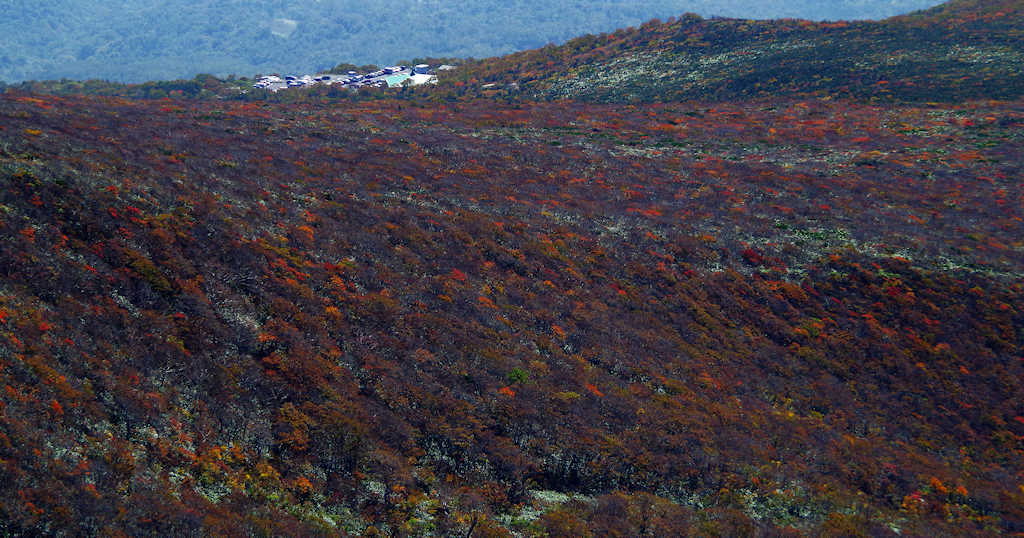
(426, 314)
(953, 52)
(134, 41)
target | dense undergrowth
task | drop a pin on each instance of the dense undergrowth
(784, 317)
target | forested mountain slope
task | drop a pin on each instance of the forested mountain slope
(953, 52)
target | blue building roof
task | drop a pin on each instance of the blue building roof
(395, 80)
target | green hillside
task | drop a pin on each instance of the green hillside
(954, 52)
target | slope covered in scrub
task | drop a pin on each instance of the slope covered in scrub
(957, 51)
(279, 319)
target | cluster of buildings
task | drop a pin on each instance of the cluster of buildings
(387, 77)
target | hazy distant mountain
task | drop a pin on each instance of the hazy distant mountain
(138, 40)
